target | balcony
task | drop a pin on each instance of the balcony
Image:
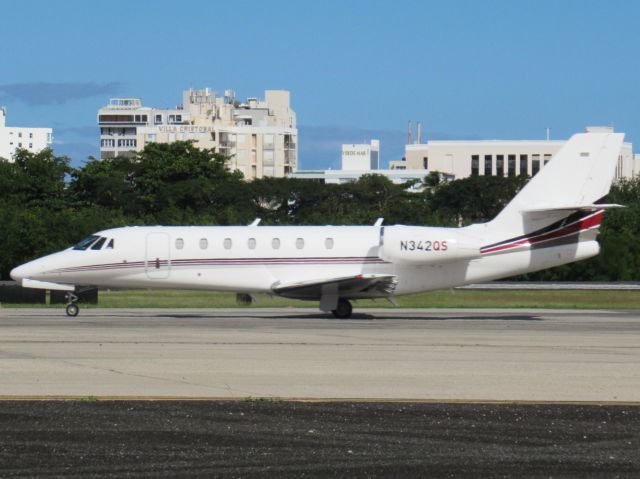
(122, 119)
(289, 157)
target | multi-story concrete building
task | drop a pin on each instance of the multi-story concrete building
(462, 159)
(259, 136)
(13, 137)
(364, 159)
(361, 156)
(346, 176)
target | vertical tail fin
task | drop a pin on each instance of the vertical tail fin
(577, 176)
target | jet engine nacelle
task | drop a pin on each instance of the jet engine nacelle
(424, 245)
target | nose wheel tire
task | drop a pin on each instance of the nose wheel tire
(72, 309)
(72, 304)
(343, 310)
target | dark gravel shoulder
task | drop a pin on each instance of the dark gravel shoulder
(92, 439)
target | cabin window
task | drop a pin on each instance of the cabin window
(328, 243)
(275, 243)
(179, 243)
(251, 243)
(110, 245)
(204, 244)
(85, 243)
(98, 244)
(227, 243)
(300, 243)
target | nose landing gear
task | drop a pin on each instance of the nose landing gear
(72, 304)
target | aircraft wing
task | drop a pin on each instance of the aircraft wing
(348, 287)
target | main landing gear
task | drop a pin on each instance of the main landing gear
(343, 309)
(72, 304)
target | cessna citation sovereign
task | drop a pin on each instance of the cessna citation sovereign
(553, 220)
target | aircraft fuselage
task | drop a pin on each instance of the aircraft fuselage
(253, 259)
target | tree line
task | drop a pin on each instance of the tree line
(47, 205)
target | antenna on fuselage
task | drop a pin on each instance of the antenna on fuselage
(378, 222)
(255, 222)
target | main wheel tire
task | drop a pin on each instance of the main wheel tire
(343, 310)
(72, 309)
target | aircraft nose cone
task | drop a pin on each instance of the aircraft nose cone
(27, 270)
(18, 273)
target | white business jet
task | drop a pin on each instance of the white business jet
(553, 220)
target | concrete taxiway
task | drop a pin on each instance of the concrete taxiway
(390, 354)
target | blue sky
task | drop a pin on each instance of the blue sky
(492, 69)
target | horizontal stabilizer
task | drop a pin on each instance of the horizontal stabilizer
(591, 207)
(362, 285)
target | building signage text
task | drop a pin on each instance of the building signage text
(186, 129)
(355, 152)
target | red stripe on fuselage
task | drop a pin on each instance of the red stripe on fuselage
(223, 261)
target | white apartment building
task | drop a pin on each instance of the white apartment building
(361, 156)
(259, 136)
(462, 159)
(13, 137)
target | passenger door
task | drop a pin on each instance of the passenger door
(158, 262)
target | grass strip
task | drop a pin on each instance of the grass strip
(473, 299)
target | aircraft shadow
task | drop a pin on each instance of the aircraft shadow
(360, 317)
(371, 317)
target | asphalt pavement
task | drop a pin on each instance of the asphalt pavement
(100, 439)
(388, 393)
(390, 354)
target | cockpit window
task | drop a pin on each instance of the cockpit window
(110, 245)
(98, 244)
(85, 243)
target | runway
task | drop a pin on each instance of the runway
(381, 354)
